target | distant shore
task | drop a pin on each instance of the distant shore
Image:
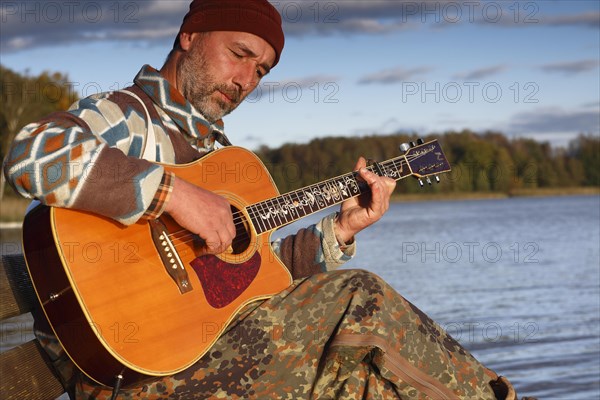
(540, 192)
(13, 208)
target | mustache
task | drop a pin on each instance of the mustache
(234, 93)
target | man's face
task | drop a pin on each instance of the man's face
(219, 69)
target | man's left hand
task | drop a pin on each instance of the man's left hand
(359, 212)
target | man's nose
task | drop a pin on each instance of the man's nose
(245, 77)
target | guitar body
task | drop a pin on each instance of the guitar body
(109, 295)
(146, 300)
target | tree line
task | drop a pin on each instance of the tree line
(481, 162)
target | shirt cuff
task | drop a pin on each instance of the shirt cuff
(334, 254)
(161, 197)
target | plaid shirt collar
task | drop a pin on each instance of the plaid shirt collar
(175, 105)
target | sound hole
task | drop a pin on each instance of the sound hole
(242, 232)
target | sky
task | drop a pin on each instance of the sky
(351, 67)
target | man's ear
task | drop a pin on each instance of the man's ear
(185, 40)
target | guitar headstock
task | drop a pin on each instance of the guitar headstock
(425, 159)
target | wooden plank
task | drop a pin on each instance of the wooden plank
(17, 295)
(27, 374)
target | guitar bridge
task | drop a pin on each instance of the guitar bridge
(169, 256)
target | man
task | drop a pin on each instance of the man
(331, 334)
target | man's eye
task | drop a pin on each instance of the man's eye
(237, 55)
(259, 73)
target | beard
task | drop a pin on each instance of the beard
(200, 88)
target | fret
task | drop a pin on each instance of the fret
(310, 201)
(351, 185)
(296, 205)
(251, 214)
(328, 193)
(263, 214)
(337, 191)
(273, 213)
(387, 171)
(292, 206)
(316, 194)
(334, 192)
(278, 211)
(259, 224)
(270, 216)
(284, 202)
(259, 221)
(323, 195)
(305, 200)
(343, 188)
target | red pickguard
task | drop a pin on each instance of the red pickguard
(223, 282)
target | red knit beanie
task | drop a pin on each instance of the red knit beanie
(258, 17)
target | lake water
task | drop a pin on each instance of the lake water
(516, 281)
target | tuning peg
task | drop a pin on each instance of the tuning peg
(437, 179)
(404, 147)
(421, 183)
(420, 141)
(428, 181)
(412, 144)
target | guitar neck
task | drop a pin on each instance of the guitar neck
(278, 211)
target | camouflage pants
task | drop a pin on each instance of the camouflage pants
(344, 334)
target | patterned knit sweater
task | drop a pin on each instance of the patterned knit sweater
(90, 158)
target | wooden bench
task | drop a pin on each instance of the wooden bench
(25, 370)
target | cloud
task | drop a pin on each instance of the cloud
(27, 25)
(480, 73)
(393, 75)
(589, 19)
(573, 67)
(556, 120)
(377, 17)
(355, 26)
(30, 24)
(387, 127)
(530, 15)
(593, 104)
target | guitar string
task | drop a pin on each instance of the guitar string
(240, 221)
(240, 217)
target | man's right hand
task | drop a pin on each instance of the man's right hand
(204, 213)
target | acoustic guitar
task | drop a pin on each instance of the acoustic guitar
(145, 300)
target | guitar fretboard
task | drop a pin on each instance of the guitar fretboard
(278, 211)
